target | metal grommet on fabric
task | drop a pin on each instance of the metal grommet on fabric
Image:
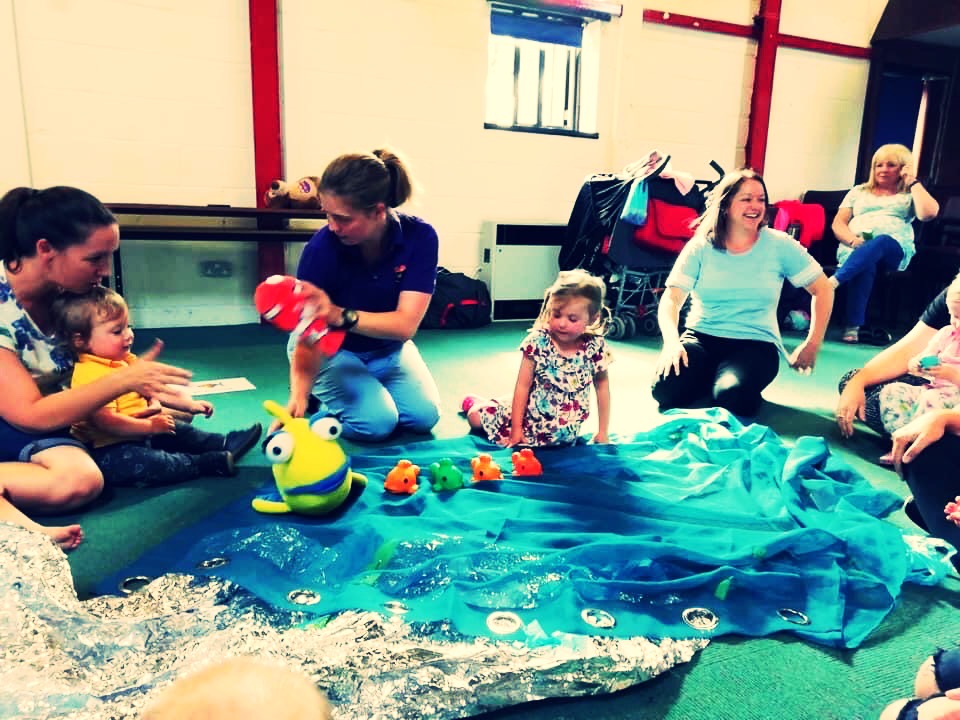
(213, 562)
(396, 607)
(503, 623)
(597, 618)
(303, 597)
(793, 616)
(700, 618)
(132, 584)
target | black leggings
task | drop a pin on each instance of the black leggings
(932, 478)
(729, 373)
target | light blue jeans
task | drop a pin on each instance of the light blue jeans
(375, 393)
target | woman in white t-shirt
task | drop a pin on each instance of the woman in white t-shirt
(874, 229)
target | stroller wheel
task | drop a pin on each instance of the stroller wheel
(629, 326)
(648, 325)
(617, 328)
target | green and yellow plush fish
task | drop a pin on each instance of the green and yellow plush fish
(311, 470)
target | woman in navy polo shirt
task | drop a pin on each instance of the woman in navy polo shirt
(375, 270)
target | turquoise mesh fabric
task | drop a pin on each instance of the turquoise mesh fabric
(698, 528)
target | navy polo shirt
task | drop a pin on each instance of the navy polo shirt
(409, 264)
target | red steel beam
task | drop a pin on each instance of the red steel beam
(824, 46)
(662, 17)
(267, 130)
(760, 99)
(688, 21)
(766, 31)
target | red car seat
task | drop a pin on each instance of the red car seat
(805, 221)
(668, 227)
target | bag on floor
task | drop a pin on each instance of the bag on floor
(458, 301)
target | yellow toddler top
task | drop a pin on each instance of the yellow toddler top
(90, 368)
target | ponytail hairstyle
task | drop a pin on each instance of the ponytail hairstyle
(365, 179)
(577, 284)
(63, 216)
(713, 223)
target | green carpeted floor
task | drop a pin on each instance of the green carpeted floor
(741, 679)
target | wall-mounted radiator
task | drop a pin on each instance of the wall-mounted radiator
(519, 263)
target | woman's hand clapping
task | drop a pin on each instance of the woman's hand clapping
(149, 377)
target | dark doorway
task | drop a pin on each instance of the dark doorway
(909, 111)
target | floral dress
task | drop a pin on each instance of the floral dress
(559, 399)
(901, 402)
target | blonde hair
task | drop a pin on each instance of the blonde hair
(75, 315)
(577, 284)
(900, 154)
(241, 688)
(713, 223)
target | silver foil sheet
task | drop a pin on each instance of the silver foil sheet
(105, 657)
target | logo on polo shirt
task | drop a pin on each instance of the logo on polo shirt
(398, 272)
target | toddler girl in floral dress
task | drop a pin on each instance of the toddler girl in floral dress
(563, 356)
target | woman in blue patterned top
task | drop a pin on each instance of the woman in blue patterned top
(51, 241)
(733, 268)
(874, 228)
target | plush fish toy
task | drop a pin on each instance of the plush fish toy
(311, 470)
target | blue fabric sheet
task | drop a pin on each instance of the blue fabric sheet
(700, 512)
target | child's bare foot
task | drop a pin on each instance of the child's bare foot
(68, 537)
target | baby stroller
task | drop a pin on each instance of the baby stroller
(634, 259)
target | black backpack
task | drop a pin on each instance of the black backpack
(458, 302)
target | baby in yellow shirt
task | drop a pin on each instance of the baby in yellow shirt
(137, 440)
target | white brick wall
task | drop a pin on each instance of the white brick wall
(150, 102)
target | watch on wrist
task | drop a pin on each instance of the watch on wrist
(912, 183)
(349, 319)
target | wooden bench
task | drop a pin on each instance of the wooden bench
(269, 229)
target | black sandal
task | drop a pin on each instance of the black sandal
(875, 336)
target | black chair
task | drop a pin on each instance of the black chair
(938, 250)
(825, 251)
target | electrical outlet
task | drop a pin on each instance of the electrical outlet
(216, 268)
